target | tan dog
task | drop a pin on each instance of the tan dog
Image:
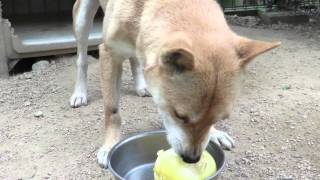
(191, 60)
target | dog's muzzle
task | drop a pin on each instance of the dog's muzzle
(188, 159)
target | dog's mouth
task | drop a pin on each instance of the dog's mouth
(190, 160)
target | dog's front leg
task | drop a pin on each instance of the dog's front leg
(111, 70)
(221, 138)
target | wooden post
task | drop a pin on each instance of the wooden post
(4, 71)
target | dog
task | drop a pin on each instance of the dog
(182, 52)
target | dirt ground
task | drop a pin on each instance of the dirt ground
(276, 120)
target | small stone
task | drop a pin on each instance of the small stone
(40, 65)
(27, 103)
(38, 114)
(286, 87)
(286, 178)
(245, 160)
(244, 175)
(28, 75)
(311, 20)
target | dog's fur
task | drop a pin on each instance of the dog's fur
(191, 61)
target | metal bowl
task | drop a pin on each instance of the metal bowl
(133, 158)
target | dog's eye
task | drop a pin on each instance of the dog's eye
(183, 118)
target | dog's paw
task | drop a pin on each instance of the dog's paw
(143, 92)
(78, 99)
(222, 139)
(102, 157)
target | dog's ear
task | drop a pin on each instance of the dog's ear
(177, 60)
(248, 49)
(176, 55)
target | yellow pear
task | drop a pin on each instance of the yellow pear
(170, 166)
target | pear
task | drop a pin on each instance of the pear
(170, 166)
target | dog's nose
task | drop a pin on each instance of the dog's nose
(188, 159)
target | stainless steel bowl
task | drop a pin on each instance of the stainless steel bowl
(133, 158)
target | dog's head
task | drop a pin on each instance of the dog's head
(194, 83)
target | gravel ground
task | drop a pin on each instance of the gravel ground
(275, 121)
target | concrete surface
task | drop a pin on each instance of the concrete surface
(289, 17)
